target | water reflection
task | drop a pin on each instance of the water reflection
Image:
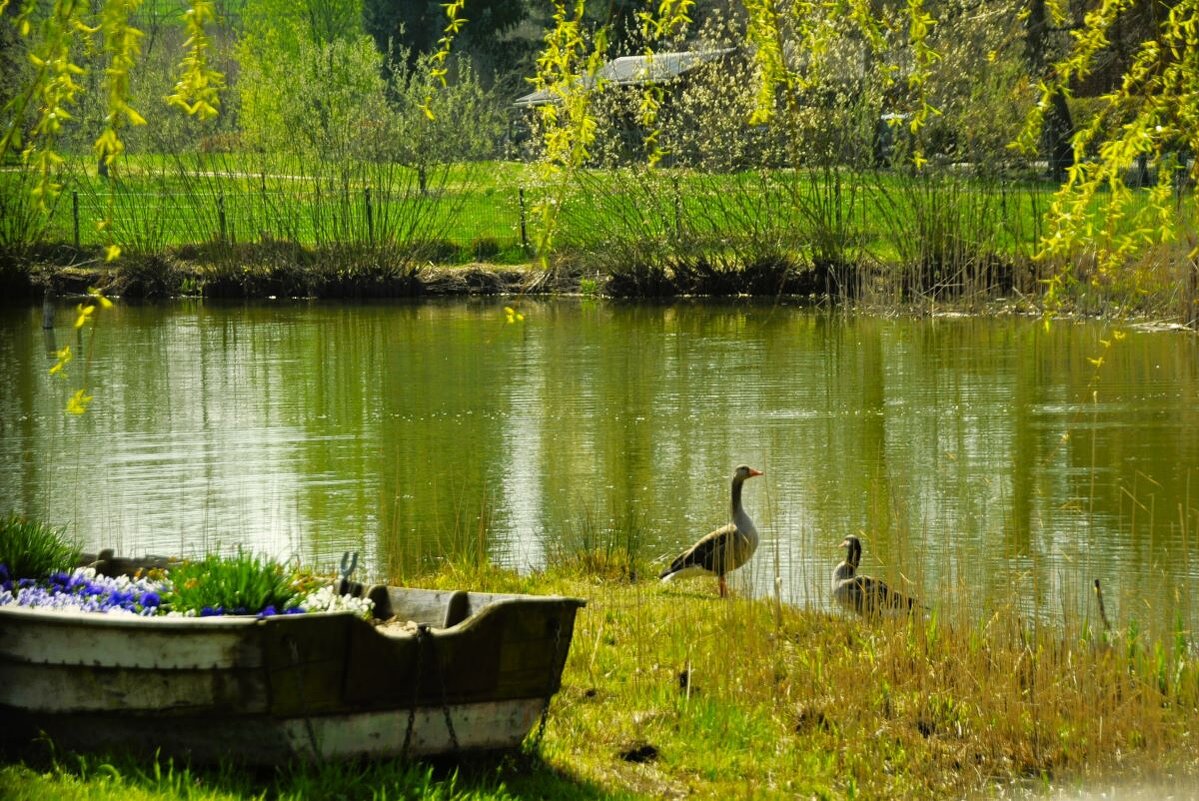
(984, 455)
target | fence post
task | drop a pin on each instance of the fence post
(524, 231)
(220, 211)
(370, 217)
(75, 214)
(678, 202)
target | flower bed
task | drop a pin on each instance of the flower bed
(83, 590)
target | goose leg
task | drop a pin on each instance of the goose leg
(724, 588)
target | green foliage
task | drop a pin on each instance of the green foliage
(566, 69)
(1151, 115)
(240, 584)
(32, 549)
(198, 91)
(419, 28)
(320, 21)
(335, 96)
(441, 113)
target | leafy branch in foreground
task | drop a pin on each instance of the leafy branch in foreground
(36, 115)
(1152, 115)
(85, 314)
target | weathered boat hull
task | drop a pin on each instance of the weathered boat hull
(474, 672)
(267, 740)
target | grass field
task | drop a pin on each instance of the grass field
(670, 692)
(169, 201)
(888, 237)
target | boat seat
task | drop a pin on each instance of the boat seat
(438, 608)
(457, 609)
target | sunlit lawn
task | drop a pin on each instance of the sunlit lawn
(671, 692)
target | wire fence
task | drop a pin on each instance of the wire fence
(455, 226)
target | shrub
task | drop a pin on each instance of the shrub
(484, 248)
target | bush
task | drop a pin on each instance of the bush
(484, 248)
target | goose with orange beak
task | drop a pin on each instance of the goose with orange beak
(725, 549)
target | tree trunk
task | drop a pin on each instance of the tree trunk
(1057, 127)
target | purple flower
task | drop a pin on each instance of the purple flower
(150, 599)
(267, 612)
(208, 611)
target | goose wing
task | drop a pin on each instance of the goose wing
(718, 552)
(869, 596)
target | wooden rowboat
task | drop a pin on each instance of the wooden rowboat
(465, 671)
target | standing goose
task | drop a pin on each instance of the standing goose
(726, 548)
(863, 594)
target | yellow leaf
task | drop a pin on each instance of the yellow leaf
(63, 355)
(112, 253)
(84, 312)
(1097, 362)
(78, 403)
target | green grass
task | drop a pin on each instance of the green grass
(31, 549)
(264, 224)
(669, 690)
(164, 202)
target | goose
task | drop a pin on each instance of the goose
(864, 594)
(726, 548)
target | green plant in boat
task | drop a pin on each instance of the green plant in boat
(29, 548)
(240, 584)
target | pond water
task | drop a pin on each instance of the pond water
(981, 459)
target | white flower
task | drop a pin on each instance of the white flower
(326, 599)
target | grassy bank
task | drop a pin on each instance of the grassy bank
(670, 692)
(253, 225)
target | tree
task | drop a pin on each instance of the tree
(415, 28)
(319, 21)
(1151, 114)
(1057, 125)
(335, 95)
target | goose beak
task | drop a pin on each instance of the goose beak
(753, 473)
(844, 543)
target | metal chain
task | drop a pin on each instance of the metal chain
(534, 744)
(294, 649)
(422, 631)
(445, 705)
